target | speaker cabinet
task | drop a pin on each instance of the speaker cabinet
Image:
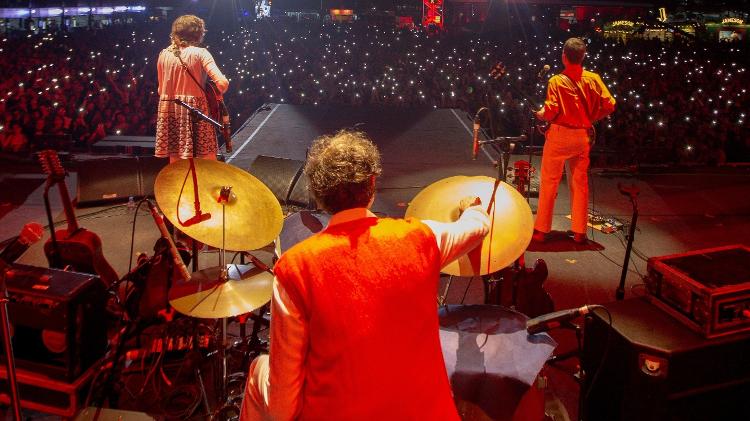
(285, 179)
(113, 180)
(58, 320)
(655, 368)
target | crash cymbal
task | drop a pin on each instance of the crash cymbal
(253, 214)
(205, 296)
(510, 217)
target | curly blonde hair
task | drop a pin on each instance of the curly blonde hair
(339, 169)
(187, 30)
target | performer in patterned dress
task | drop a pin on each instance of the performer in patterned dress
(182, 70)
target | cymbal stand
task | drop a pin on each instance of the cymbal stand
(505, 145)
(225, 196)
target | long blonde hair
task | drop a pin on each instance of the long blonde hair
(187, 30)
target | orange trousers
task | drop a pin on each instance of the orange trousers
(572, 145)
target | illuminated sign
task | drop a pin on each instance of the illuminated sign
(732, 21)
(623, 23)
(663, 14)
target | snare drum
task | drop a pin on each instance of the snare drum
(493, 364)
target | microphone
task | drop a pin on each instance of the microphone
(176, 258)
(30, 234)
(543, 71)
(197, 219)
(550, 321)
(477, 127)
(258, 264)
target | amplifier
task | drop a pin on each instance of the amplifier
(58, 320)
(707, 290)
(652, 367)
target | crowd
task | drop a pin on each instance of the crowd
(677, 102)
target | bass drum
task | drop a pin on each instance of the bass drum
(492, 363)
(299, 226)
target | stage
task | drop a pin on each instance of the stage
(693, 209)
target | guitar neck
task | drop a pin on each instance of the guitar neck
(70, 215)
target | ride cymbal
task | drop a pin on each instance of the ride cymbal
(252, 217)
(511, 222)
(206, 296)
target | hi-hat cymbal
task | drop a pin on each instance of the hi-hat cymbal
(510, 217)
(253, 215)
(205, 296)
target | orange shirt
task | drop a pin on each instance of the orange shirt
(563, 106)
(354, 331)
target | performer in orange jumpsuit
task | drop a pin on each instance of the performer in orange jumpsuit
(576, 98)
(354, 323)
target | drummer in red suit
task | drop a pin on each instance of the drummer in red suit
(354, 323)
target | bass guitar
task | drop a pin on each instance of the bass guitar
(72, 247)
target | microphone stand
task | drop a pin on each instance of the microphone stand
(10, 364)
(195, 116)
(632, 193)
(531, 133)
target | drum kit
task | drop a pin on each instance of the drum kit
(227, 208)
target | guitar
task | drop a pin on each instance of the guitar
(73, 246)
(218, 111)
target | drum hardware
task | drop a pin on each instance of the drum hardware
(555, 358)
(227, 290)
(510, 234)
(511, 222)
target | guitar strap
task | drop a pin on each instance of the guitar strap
(176, 52)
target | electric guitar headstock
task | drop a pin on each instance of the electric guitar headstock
(498, 71)
(51, 164)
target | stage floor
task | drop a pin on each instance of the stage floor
(678, 211)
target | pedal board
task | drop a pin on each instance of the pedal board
(599, 222)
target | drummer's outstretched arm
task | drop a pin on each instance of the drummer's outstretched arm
(454, 239)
